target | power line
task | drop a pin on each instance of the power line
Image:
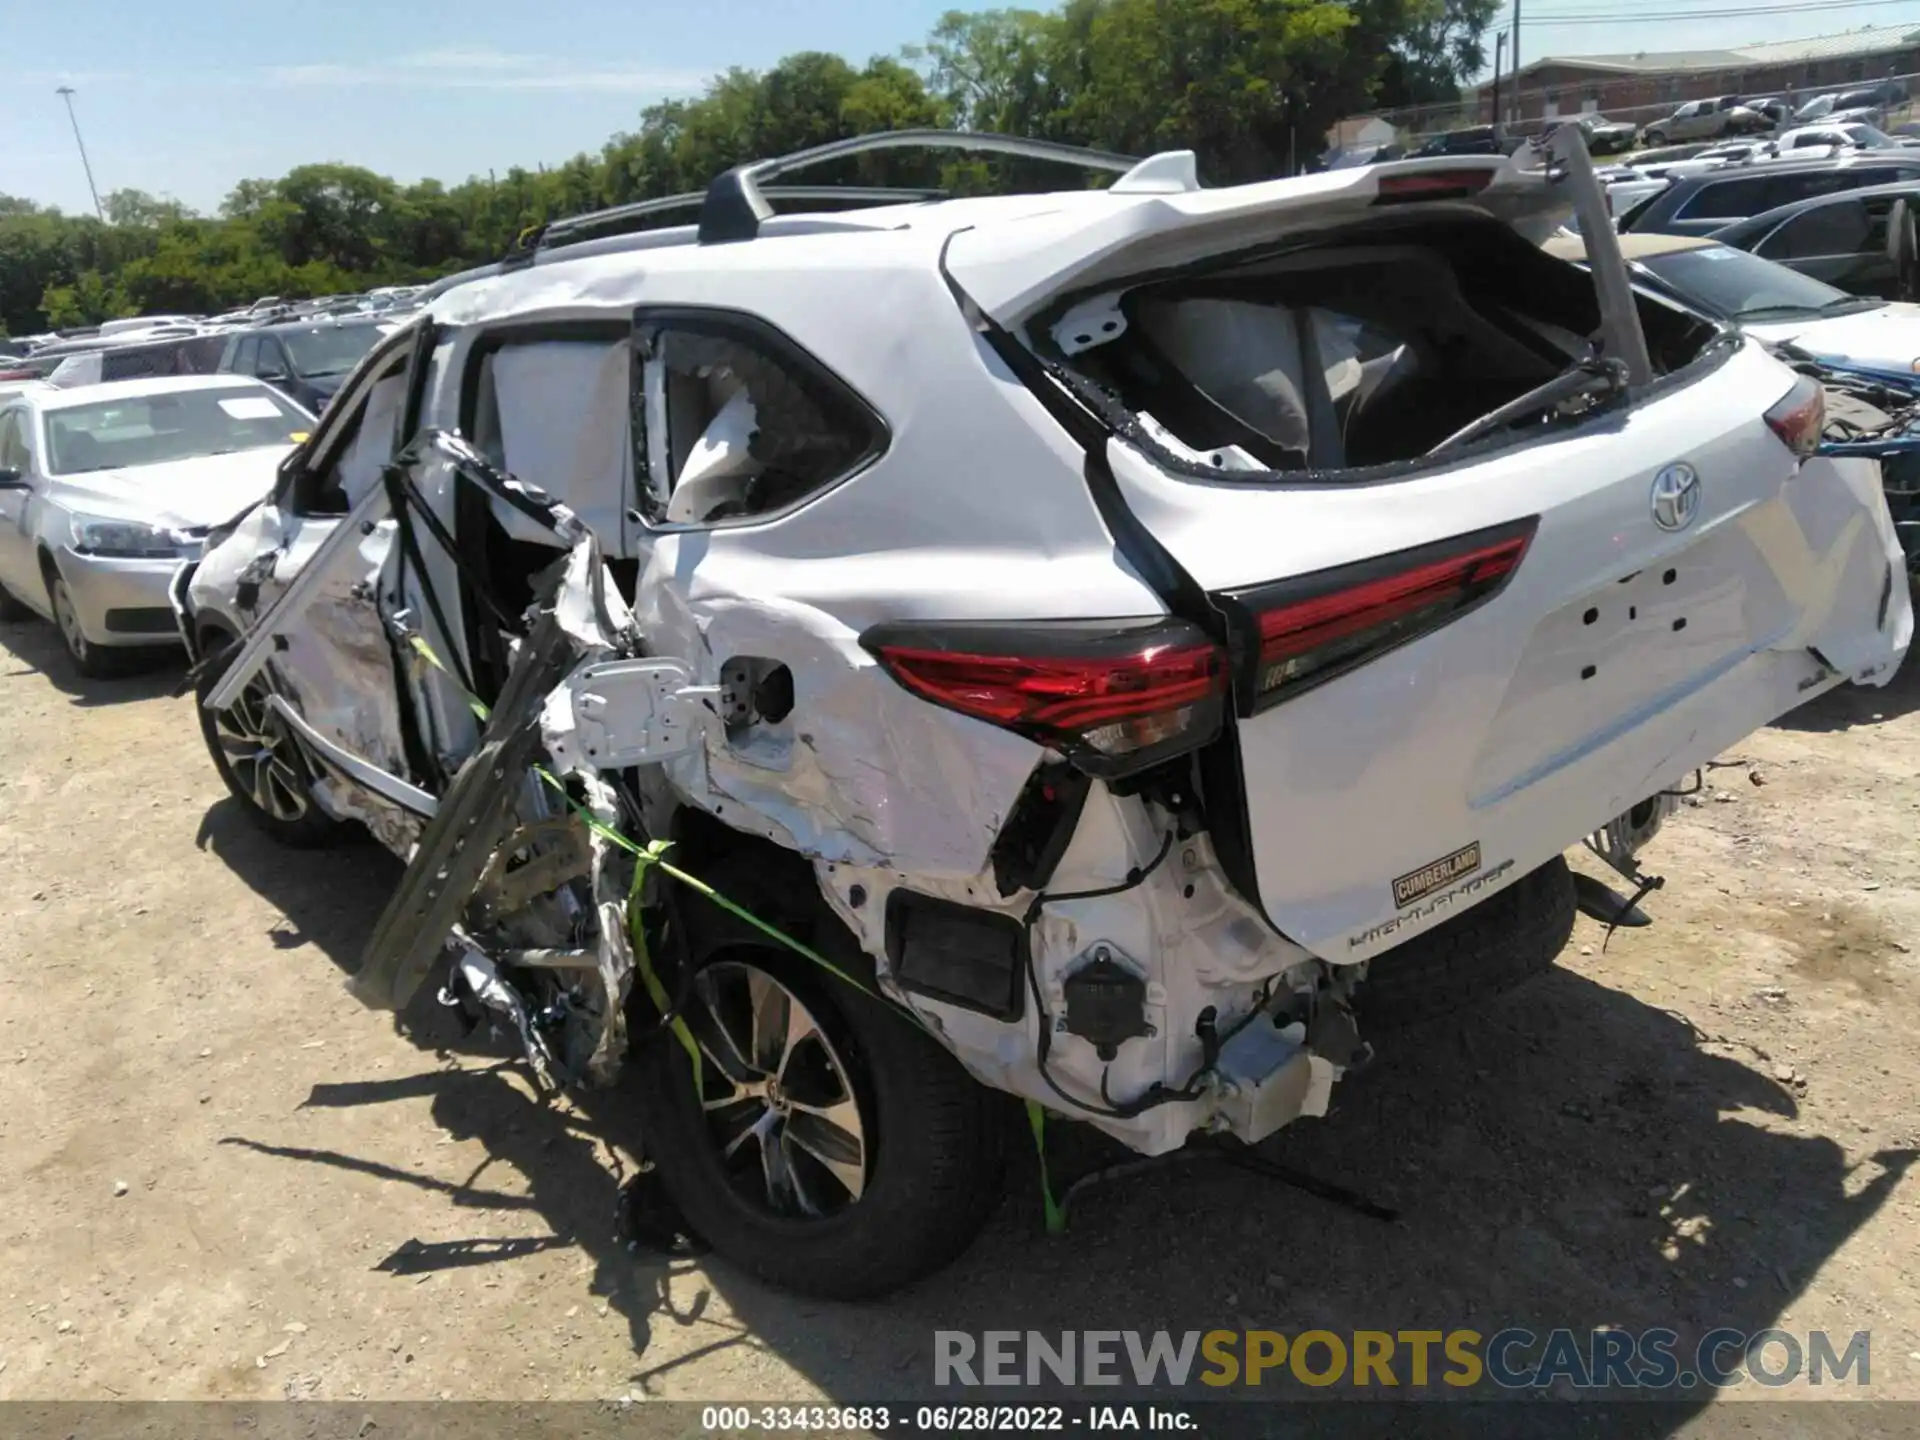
(1639, 17)
(1676, 7)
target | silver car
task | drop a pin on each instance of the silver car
(1706, 120)
(104, 489)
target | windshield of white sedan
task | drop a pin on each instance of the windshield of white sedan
(154, 429)
(1734, 285)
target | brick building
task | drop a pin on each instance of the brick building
(1644, 86)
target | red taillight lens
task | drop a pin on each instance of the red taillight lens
(1113, 696)
(1801, 419)
(1301, 633)
(1433, 185)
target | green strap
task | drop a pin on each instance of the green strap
(643, 962)
(1056, 1213)
(653, 856)
(480, 711)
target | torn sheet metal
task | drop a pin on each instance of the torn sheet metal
(475, 815)
(859, 771)
(332, 664)
(497, 868)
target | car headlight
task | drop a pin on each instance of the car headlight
(128, 539)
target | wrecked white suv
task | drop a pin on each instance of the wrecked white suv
(1121, 647)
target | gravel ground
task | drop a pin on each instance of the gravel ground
(223, 1178)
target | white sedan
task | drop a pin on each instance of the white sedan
(104, 489)
(1768, 301)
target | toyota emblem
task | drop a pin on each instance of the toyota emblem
(1676, 497)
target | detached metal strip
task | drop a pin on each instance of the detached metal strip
(177, 599)
(1620, 327)
(282, 615)
(362, 772)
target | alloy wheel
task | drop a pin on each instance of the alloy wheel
(265, 758)
(778, 1095)
(67, 616)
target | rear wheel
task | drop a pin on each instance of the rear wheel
(263, 765)
(827, 1144)
(1473, 958)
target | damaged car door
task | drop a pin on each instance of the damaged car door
(290, 615)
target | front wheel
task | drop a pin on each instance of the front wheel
(94, 662)
(263, 766)
(1653, 139)
(826, 1144)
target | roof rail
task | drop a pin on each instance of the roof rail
(736, 204)
(575, 229)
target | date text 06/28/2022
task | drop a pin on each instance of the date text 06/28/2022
(946, 1419)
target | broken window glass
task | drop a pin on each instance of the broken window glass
(734, 422)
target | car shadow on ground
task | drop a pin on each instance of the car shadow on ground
(1568, 1156)
(34, 645)
(1850, 705)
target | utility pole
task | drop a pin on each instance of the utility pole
(65, 92)
(1499, 49)
(1518, 115)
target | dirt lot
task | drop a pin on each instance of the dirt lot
(223, 1178)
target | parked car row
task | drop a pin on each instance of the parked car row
(106, 487)
(305, 357)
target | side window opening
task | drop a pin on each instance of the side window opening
(357, 440)
(13, 445)
(734, 422)
(1728, 200)
(552, 411)
(1841, 228)
(547, 404)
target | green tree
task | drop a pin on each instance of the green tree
(138, 208)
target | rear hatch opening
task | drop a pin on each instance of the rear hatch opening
(1493, 548)
(1373, 347)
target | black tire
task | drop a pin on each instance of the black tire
(314, 829)
(90, 661)
(1653, 139)
(933, 1173)
(1497, 945)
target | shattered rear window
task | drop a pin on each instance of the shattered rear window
(734, 422)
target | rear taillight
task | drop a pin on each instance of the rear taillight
(1295, 634)
(1114, 697)
(1433, 185)
(1801, 419)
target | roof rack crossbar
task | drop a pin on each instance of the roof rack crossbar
(736, 204)
(595, 224)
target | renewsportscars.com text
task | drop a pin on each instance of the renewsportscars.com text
(1508, 1359)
